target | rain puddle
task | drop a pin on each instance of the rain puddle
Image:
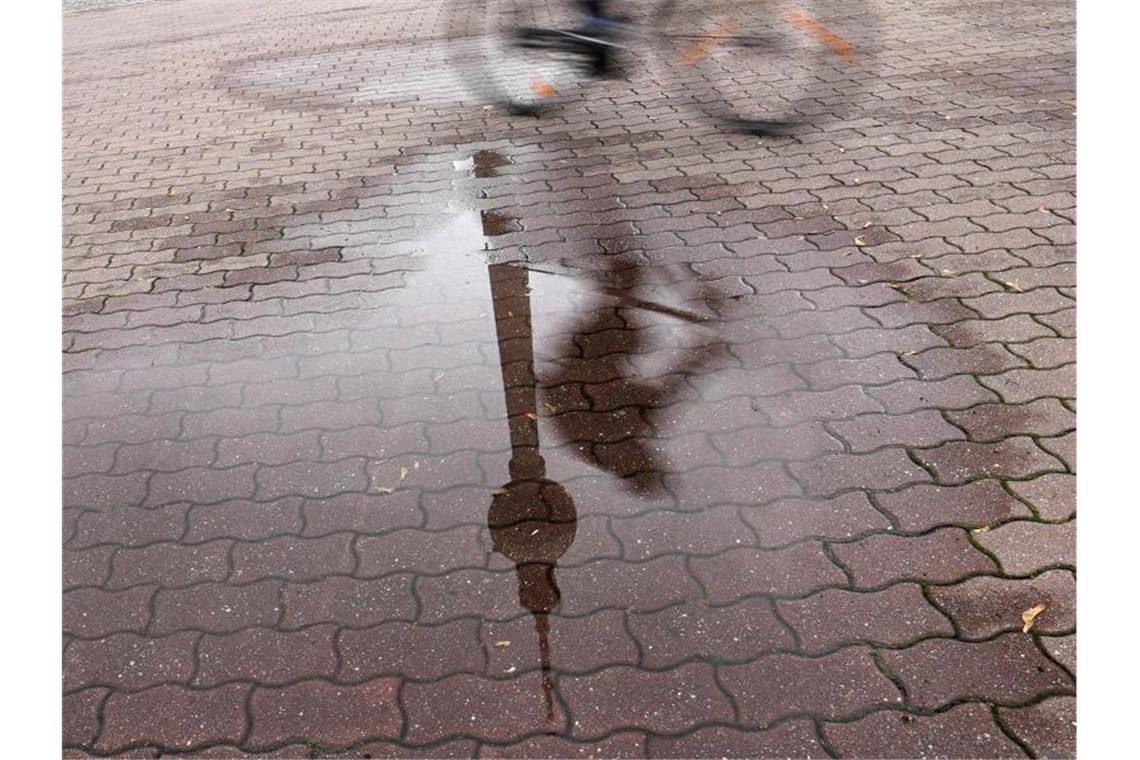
(482, 164)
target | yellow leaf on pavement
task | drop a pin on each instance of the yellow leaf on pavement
(1030, 616)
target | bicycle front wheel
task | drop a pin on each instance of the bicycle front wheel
(766, 65)
(527, 56)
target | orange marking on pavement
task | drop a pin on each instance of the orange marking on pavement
(809, 26)
(542, 88)
(697, 51)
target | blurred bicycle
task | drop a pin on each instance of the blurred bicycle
(759, 65)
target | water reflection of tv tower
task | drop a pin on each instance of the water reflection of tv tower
(532, 519)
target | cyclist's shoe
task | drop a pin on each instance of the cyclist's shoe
(601, 33)
(604, 65)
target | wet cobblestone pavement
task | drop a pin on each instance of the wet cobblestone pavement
(397, 427)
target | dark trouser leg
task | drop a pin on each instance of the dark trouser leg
(594, 11)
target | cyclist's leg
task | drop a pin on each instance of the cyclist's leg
(594, 25)
(592, 7)
(593, 15)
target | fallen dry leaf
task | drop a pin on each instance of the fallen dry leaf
(531, 416)
(1011, 286)
(1030, 616)
(403, 473)
(503, 643)
(550, 407)
(499, 491)
(983, 529)
(859, 241)
(384, 489)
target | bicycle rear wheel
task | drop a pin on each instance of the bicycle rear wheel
(523, 55)
(766, 65)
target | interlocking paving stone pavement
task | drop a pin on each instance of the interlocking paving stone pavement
(305, 273)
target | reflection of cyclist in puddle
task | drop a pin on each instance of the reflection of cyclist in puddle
(620, 405)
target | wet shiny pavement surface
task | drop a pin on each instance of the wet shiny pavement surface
(394, 427)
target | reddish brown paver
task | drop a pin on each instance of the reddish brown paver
(297, 386)
(894, 617)
(1009, 669)
(266, 656)
(1049, 728)
(963, 731)
(327, 713)
(841, 685)
(174, 716)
